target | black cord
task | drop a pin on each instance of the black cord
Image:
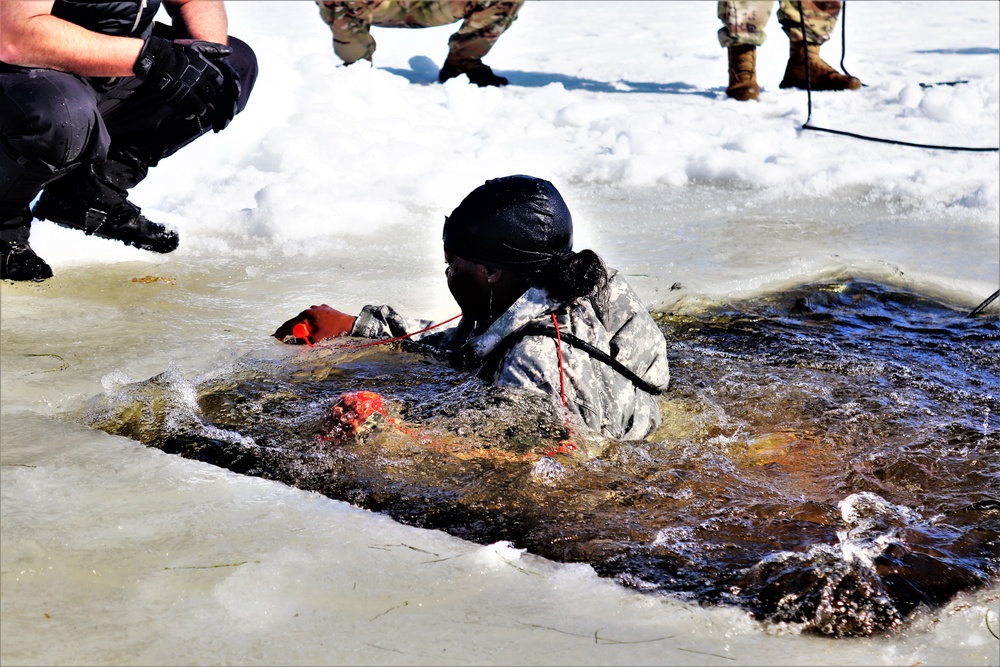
(843, 35)
(843, 54)
(981, 307)
(806, 126)
(805, 48)
(901, 143)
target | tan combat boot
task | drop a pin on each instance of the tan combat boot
(743, 73)
(821, 75)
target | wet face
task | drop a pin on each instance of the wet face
(469, 285)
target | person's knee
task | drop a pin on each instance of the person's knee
(244, 62)
(55, 121)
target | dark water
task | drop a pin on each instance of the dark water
(829, 457)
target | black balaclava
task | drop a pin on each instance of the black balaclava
(514, 222)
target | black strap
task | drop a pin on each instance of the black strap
(539, 329)
(981, 307)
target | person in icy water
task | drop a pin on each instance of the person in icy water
(535, 314)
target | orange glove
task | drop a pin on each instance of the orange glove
(315, 324)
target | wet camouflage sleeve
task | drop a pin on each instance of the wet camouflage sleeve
(743, 21)
(482, 23)
(385, 322)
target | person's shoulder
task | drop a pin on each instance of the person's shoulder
(619, 286)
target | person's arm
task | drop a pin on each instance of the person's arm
(31, 37)
(323, 322)
(200, 19)
(640, 343)
(314, 324)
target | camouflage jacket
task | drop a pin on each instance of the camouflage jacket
(513, 353)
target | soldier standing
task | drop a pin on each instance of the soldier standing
(743, 31)
(482, 24)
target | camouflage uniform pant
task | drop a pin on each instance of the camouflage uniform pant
(482, 24)
(744, 20)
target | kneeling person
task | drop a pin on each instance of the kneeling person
(93, 94)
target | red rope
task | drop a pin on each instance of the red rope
(565, 446)
(383, 341)
(562, 375)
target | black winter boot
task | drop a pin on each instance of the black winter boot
(93, 199)
(483, 76)
(17, 260)
(123, 222)
(478, 72)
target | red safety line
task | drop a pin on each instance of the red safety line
(383, 341)
(562, 382)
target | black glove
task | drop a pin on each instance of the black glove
(182, 71)
(226, 103)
